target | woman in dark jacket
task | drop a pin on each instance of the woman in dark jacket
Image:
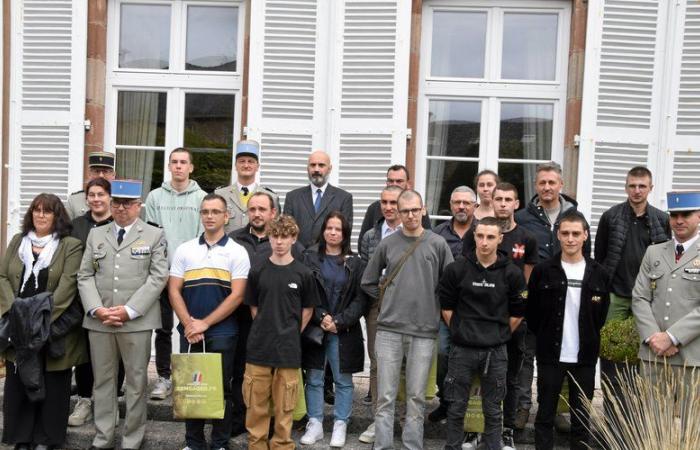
(98, 194)
(42, 258)
(339, 273)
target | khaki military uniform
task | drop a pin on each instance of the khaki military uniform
(238, 217)
(666, 297)
(76, 205)
(133, 274)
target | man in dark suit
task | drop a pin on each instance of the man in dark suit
(309, 205)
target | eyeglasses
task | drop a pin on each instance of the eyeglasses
(122, 205)
(411, 211)
(211, 212)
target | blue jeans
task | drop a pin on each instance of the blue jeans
(220, 429)
(391, 348)
(342, 381)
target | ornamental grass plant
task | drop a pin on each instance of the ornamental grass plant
(661, 415)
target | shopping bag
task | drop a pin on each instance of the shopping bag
(474, 417)
(198, 389)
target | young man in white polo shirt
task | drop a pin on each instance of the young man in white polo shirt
(207, 282)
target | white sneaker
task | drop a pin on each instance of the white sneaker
(314, 432)
(187, 448)
(367, 436)
(471, 441)
(82, 413)
(340, 429)
(162, 389)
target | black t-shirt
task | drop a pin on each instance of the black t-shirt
(280, 293)
(519, 245)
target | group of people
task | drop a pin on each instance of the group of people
(492, 290)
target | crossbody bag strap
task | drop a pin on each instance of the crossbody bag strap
(398, 267)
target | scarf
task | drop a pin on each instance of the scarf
(48, 243)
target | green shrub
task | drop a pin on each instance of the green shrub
(619, 341)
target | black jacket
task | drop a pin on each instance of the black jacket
(353, 303)
(27, 327)
(534, 219)
(83, 224)
(298, 204)
(612, 232)
(482, 300)
(546, 303)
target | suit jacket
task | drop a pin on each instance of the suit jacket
(61, 281)
(133, 273)
(666, 297)
(237, 212)
(298, 204)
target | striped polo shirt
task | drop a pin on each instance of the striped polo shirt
(207, 271)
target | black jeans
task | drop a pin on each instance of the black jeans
(466, 363)
(514, 390)
(239, 409)
(549, 381)
(163, 342)
(220, 429)
(44, 422)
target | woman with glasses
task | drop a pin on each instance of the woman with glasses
(43, 257)
(339, 272)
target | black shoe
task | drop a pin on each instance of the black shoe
(300, 425)
(368, 398)
(329, 396)
(439, 414)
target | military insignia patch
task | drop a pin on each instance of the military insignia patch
(696, 262)
(523, 294)
(596, 299)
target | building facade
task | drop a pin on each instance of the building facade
(447, 87)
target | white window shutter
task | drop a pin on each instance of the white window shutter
(684, 141)
(370, 96)
(47, 98)
(285, 73)
(621, 99)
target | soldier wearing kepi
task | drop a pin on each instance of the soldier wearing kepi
(664, 297)
(100, 164)
(237, 195)
(123, 271)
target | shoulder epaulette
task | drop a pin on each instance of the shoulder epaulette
(153, 224)
(268, 189)
(78, 192)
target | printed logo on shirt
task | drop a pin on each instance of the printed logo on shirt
(518, 251)
(575, 283)
(293, 285)
(483, 283)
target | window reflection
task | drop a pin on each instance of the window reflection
(443, 177)
(526, 131)
(212, 33)
(144, 36)
(458, 44)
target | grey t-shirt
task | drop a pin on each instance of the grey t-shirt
(410, 305)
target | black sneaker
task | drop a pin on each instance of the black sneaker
(508, 442)
(439, 414)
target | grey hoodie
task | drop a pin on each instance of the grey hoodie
(176, 212)
(410, 305)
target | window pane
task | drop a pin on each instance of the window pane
(529, 46)
(453, 128)
(209, 135)
(522, 176)
(145, 165)
(212, 33)
(526, 131)
(443, 177)
(459, 44)
(144, 37)
(141, 118)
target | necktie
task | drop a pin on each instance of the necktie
(245, 191)
(244, 195)
(679, 252)
(120, 236)
(317, 202)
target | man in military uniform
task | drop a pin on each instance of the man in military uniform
(124, 270)
(100, 164)
(665, 296)
(238, 194)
